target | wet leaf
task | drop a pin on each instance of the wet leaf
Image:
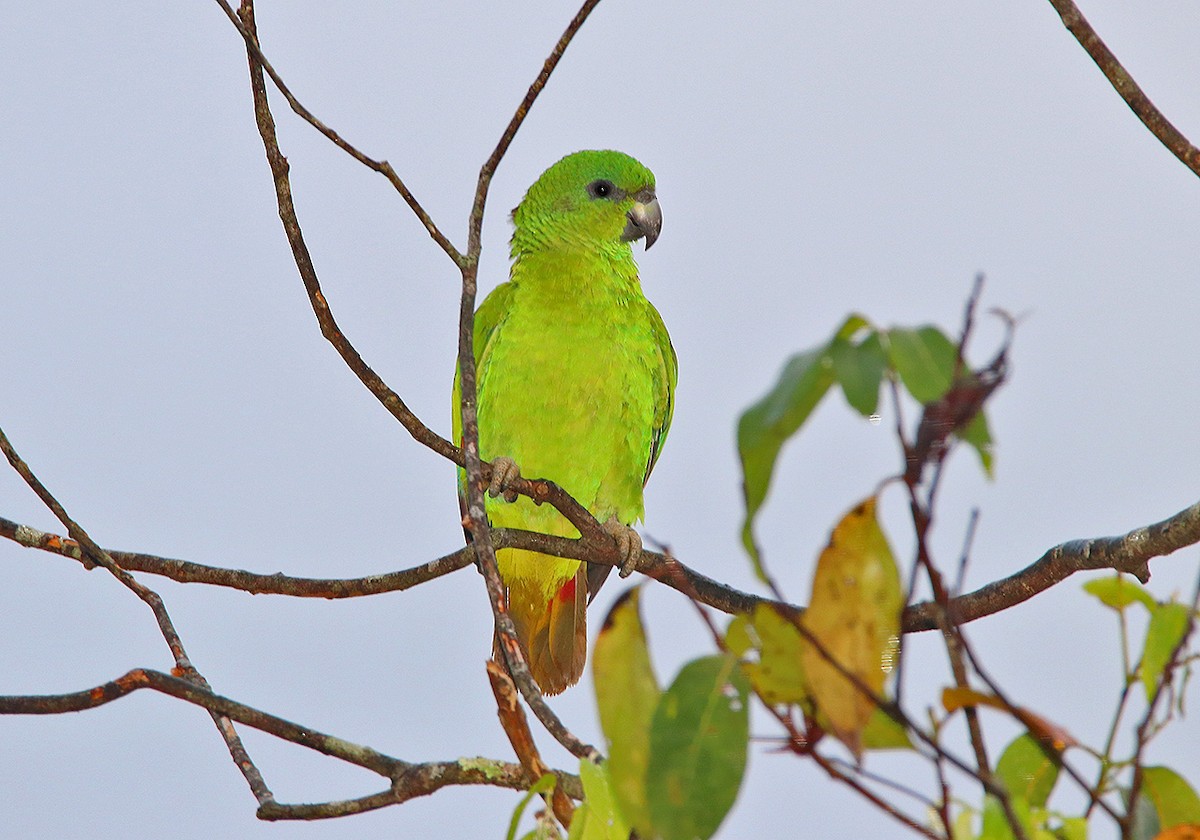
(627, 694)
(1168, 624)
(925, 359)
(854, 614)
(1026, 770)
(1119, 591)
(765, 426)
(698, 745)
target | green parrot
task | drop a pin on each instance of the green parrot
(576, 378)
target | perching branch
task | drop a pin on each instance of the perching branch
(1129, 553)
(1124, 84)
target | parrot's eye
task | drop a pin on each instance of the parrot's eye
(601, 189)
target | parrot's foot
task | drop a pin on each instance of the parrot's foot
(629, 545)
(504, 472)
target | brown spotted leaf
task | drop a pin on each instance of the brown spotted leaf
(854, 617)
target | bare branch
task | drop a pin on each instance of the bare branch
(250, 36)
(94, 553)
(291, 226)
(1124, 84)
(407, 780)
(1128, 553)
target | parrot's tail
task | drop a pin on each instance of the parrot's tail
(554, 632)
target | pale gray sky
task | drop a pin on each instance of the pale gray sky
(164, 375)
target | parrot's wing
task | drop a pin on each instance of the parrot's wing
(664, 401)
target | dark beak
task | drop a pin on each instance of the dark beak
(645, 219)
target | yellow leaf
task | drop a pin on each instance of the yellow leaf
(955, 698)
(854, 616)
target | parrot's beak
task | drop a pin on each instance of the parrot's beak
(645, 219)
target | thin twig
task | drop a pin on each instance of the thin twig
(1124, 84)
(243, 20)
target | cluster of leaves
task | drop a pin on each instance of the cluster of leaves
(857, 358)
(677, 756)
(1167, 807)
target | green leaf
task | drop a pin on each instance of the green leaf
(1072, 828)
(1118, 592)
(778, 676)
(882, 732)
(765, 426)
(1174, 800)
(698, 749)
(741, 637)
(925, 360)
(543, 785)
(854, 613)
(581, 823)
(627, 694)
(978, 436)
(1168, 623)
(995, 823)
(1027, 771)
(859, 371)
(603, 820)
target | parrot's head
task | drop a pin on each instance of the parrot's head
(591, 199)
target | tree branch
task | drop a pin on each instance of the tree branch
(1124, 84)
(304, 264)
(250, 35)
(407, 780)
(475, 517)
(183, 665)
(1129, 553)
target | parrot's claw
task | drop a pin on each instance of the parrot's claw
(504, 472)
(629, 545)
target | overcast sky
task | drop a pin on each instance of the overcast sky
(163, 373)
